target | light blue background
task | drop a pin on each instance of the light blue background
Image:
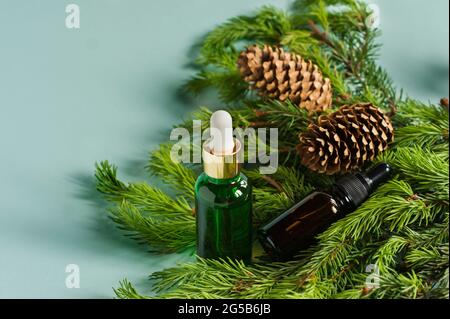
(69, 98)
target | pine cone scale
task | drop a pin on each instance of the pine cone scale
(283, 75)
(346, 139)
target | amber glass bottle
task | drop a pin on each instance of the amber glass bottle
(296, 228)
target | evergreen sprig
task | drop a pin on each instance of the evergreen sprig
(178, 176)
(402, 230)
(146, 213)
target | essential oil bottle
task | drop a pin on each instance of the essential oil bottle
(223, 196)
(297, 227)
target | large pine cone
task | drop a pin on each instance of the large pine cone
(283, 75)
(346, 139)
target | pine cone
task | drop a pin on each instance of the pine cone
(283, 75)
(346, 139)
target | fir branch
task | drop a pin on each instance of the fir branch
(177, 276)
(326, 259)
(242, 117)
(273, 183)
(285, 114)
(387, 255)
(354, 50)
(147, 213)
(440, 287)
(430, 259)
(127, 291)
(290, 120)
(353, 293)
(162, 235)
(428, 237)
(177, 175)
(288, 180)
(268, 204)
(141, 195)
(302, 6)
(413, 112)
(286, 187)
(224, 279)
(396, 285)
(107, 182)
(424, 169)
(294, 184)
(423, 136)
(317, 289)
(229, 84)
(267, 25)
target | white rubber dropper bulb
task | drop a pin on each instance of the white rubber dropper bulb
(221, 129)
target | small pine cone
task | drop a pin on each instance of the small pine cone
(283, 75)
(346, 139)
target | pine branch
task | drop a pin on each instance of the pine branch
(386, 256)
(127, 291)
(267, 25)
(224, 279)
(268, 204)
(177, 175)
(163, 235)
(147, 213)
(228, 83)
(440, 287)
(423, 136)
(434, 235)
(141, 195)
(413, 112)
(431, 260)
(404, 252)
(277, 192)
(425, 170)
(303, 6)
(395, 285)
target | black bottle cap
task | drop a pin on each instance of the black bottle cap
(359, 186)
(377, 175)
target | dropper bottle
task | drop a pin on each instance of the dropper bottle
(223, 196)
(296, 228)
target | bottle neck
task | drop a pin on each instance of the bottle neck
(223, 181)
(221, 166)
(343, 201)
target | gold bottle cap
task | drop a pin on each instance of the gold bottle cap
(221, 166)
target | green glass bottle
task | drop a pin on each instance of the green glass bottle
(224, 217)
(223, 198)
